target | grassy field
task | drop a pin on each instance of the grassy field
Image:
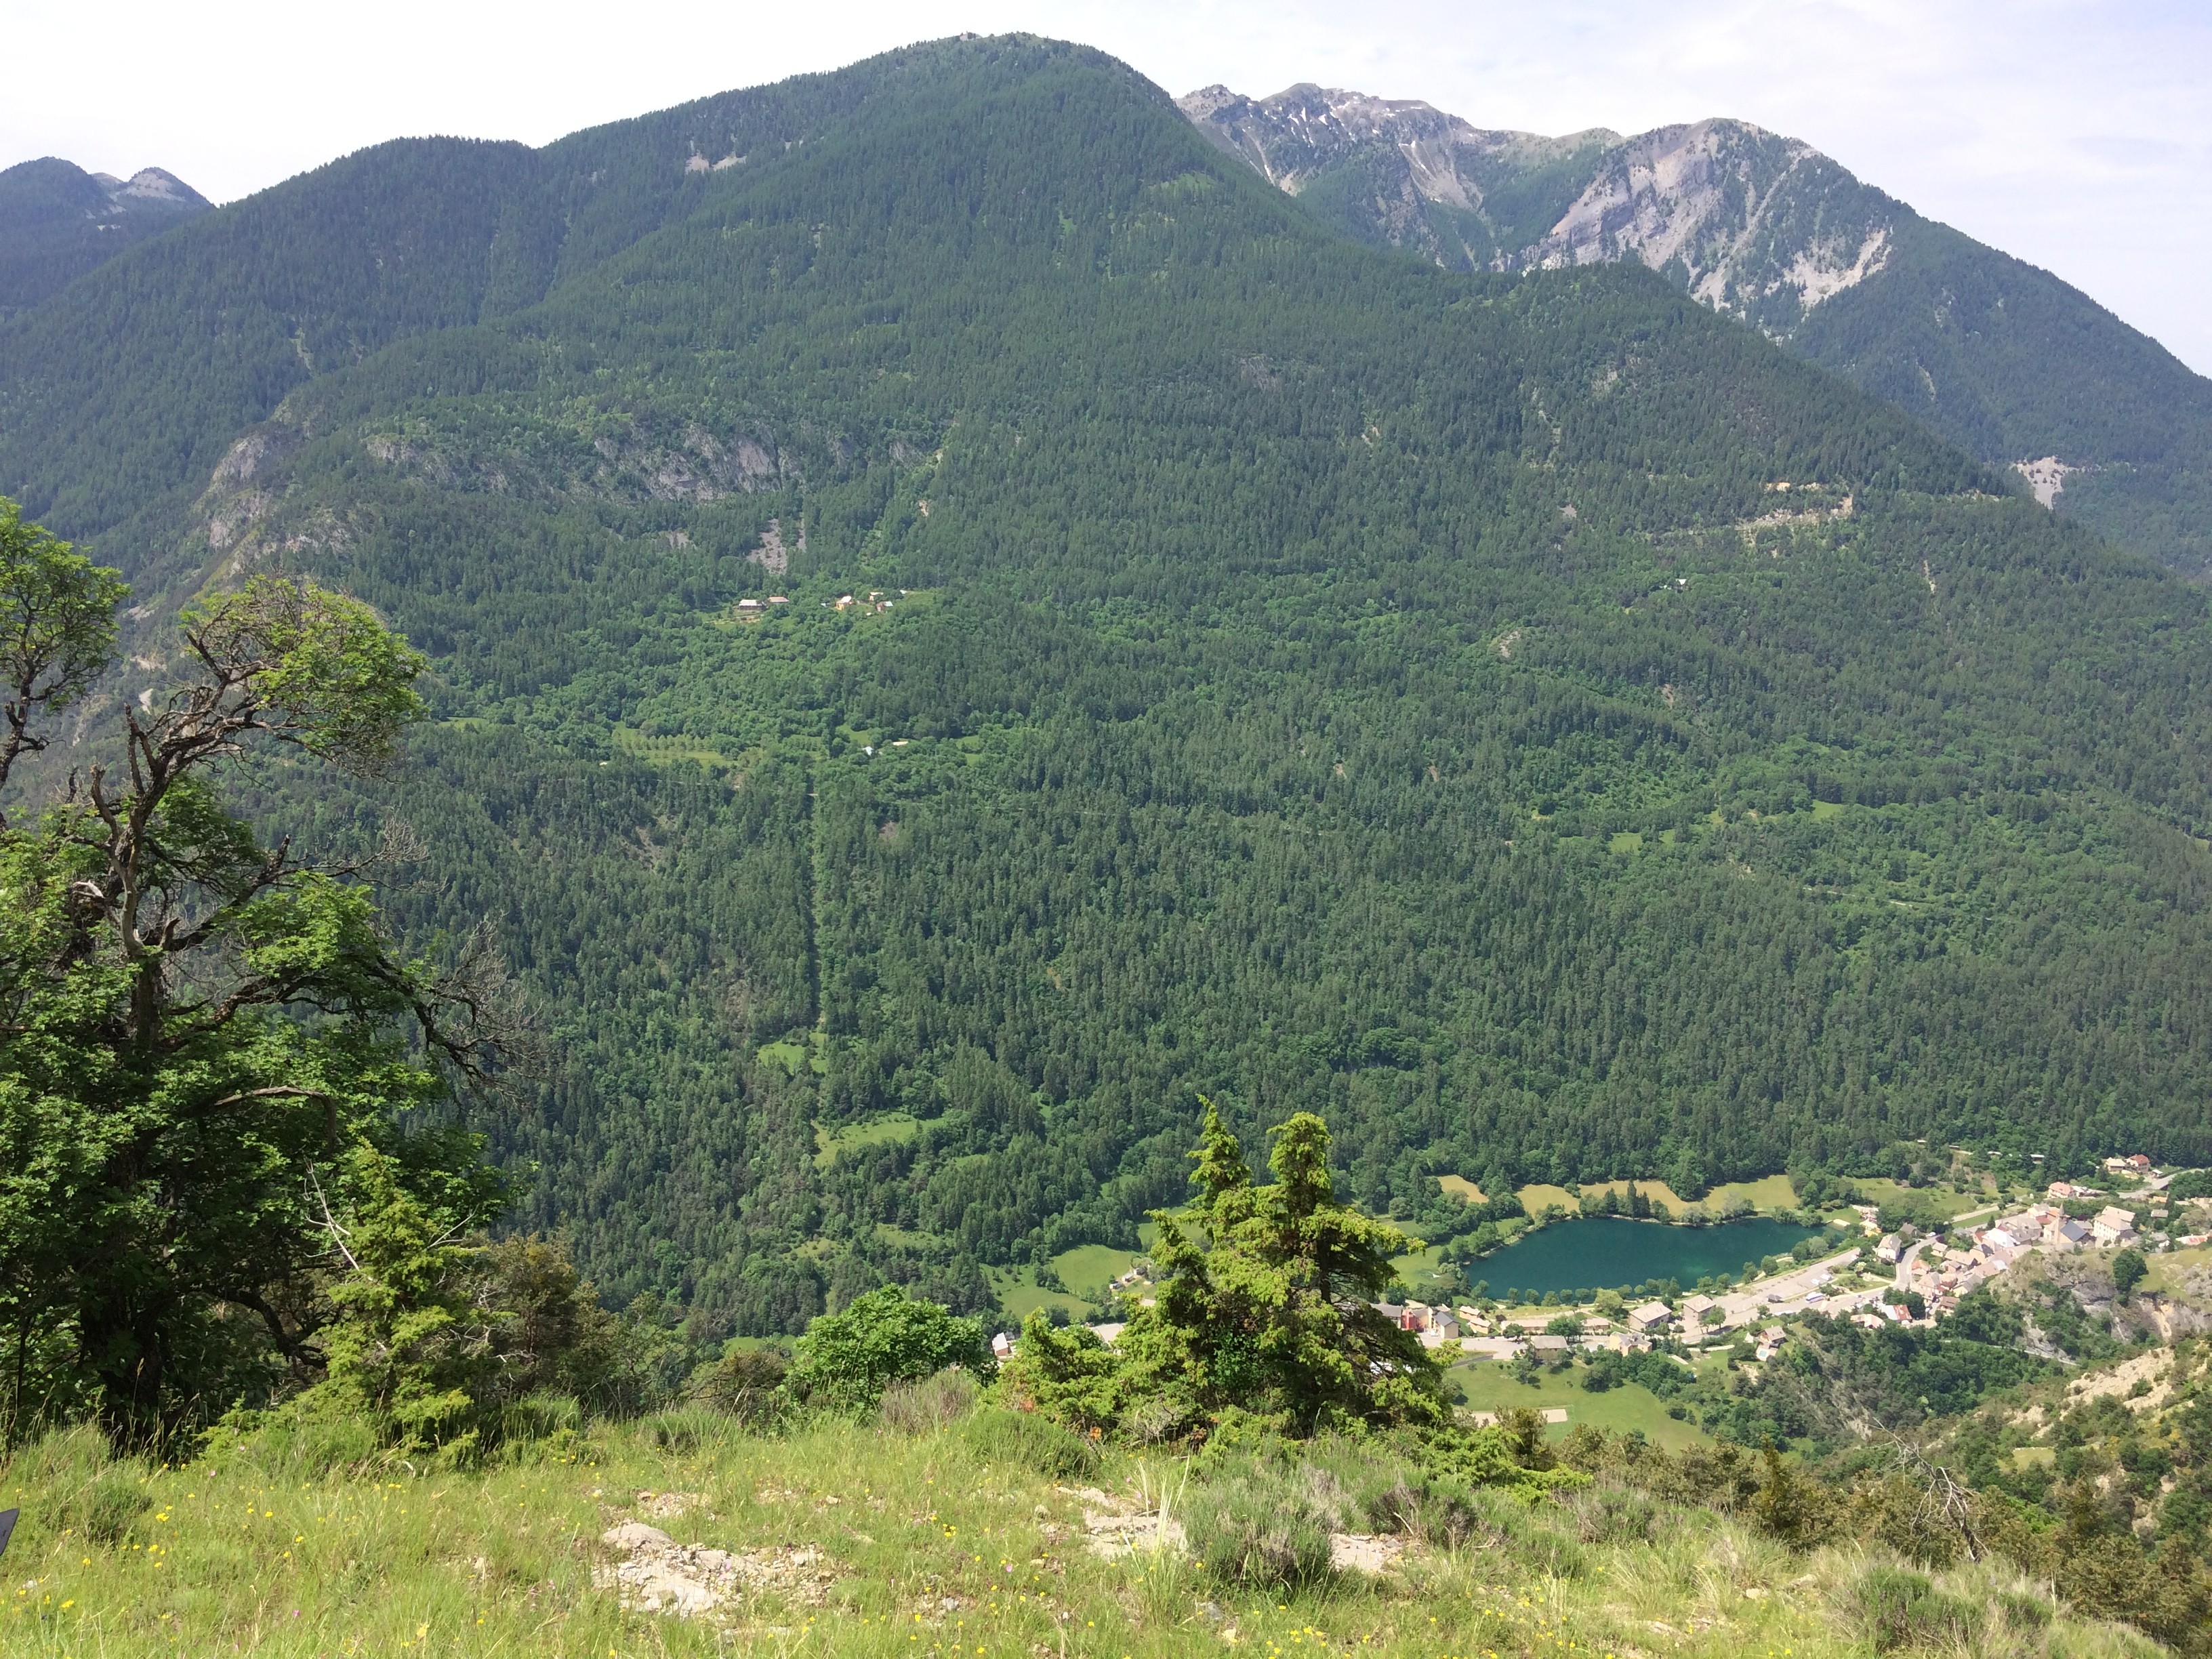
(1491, 1386)
(1461, 1189)
(1768, 1193)
(1019, 1294)
(667, 750)
(1425, 1274)
(909, 1545)
(792, 1056)
(2171, 1270)
(1773, 1192)
(1941, 1201)
(830, 1144)
(1543, 1196)
(1089, 1269)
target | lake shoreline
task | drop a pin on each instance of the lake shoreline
(1573, 1254)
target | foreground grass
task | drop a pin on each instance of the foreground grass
(936, 1550)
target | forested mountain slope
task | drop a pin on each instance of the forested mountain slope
(1293, 672)
(2001, 358)
(57, 221)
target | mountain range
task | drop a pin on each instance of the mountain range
(57, 221)
(2009, 363)
(1556, 731)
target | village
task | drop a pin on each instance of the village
(1910, 1278)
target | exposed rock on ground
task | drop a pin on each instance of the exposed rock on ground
(1373, 1553)
(659, 1575)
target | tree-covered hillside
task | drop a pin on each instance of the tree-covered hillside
(2011, 363)
(1274, 667)
(57, 221)
(2004, 360)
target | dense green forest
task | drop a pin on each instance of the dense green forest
(58, 222)
(1274, 668)
(2011, 363)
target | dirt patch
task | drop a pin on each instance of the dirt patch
(1784, 518)
(1113, 1526)
(1372, 1553)
(2122, 1378)
(658, 1575)
(2046, 479)
(668, 1505)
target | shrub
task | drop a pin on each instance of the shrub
(1901, 1513)
(290, 1446)
(1789, 1505)
(2025, 1614)
(1610, 1512)
(745, 1382)
(1259, 1530)
(1078, 1382)
(544, 1417)
(1902, 1609)
(687, 1430)
(1000, 1436)
(1374, 1484)
(2129, 1268)
(845, 1360)
(925, 1405)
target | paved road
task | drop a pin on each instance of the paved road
(1905, 1263)
(1786, 1294)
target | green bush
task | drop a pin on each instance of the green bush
(1260, 1529)
(1890, 1509)
(541, 1428)
(1903, 1609)
(1790, 1504)
(846, 1359)
(1000, 1436)
(1079, 1382)
(2128, 1269)
(1395, 1484)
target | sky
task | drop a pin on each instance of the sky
(2075, 134)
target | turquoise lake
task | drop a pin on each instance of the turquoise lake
(1603, 1252)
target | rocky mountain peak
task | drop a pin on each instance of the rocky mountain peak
(1301, 132)
(152, 187)
(1752, 223)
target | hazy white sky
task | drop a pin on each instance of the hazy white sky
(2076, 134)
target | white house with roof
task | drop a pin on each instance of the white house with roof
(2113, 1225)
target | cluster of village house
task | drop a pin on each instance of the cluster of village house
(1479, 1332)
(875, 601)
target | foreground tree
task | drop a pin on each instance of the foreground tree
(1266, 1312)
(199, 1033)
